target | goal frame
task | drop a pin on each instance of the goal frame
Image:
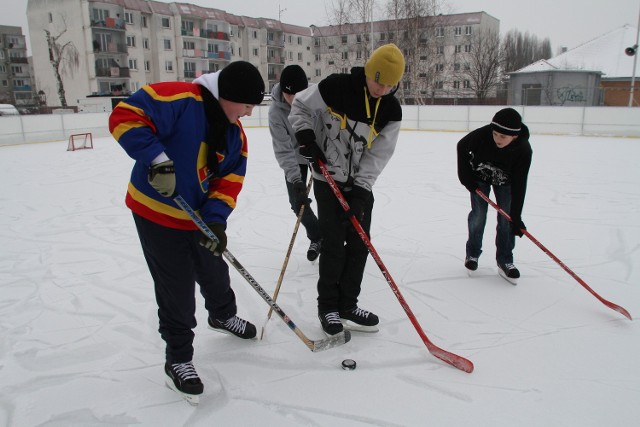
(74, 141)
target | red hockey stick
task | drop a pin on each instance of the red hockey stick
(556, 259)
(448, 357)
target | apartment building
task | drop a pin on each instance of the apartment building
(16, 83)
(117, 46)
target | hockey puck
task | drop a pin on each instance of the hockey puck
(348, 364)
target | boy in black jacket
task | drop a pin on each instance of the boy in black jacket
(497, 155)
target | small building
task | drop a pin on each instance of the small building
(543, 84)
(598, 72)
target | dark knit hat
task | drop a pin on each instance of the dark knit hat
(386, 65)
(241, 82)
(507, 122)
(293, 79)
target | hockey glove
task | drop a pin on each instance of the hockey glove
(216, 247)
(300, 195)
(308, 147)
(517, 226)
(358, 199)
(162, 178)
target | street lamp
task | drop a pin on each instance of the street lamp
(632, 51)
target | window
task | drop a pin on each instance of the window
(467, 66)
(147, 66)
(467, 84)
(456, 84)
(128, 17)
(300, 40)
(131, 41)
(3, 68)
(317, 57)
(345, 55)
(50, 17)
(254, 33)
(255, 51)
(467, 48)
(458, 48)
(382, 36)
(290, 55)
(16, 69)
(456, 67)
(165, 23)
(440, 32)
(344, 39)
(145, 43)
(299, 56)
(133, 64)
(18, 82)
(358, 38)
(439, 84)
(316, 42)
(168, 66)
(457, 31)
(189, 44)
(143, 22)
(344, 70)
(318, 72)
(439, 49)
(359, 54)
(468, 30)
(167, 44)
(5, 83)
(439, 67)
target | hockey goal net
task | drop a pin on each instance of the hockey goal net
(80, 141)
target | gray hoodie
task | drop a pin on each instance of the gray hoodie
(285, 146)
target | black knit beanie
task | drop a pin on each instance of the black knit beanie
(507, 122)
(293, 79)
(241, 82)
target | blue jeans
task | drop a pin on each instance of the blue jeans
(505, 239)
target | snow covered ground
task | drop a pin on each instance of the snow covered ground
(79, 343)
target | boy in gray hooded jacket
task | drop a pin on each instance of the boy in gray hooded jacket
(293, 80)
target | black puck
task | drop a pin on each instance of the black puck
(348, 364)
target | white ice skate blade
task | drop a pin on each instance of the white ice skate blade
(192, 399)
(354, 327)
(507, 278)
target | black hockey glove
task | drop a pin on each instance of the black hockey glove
(517, 226)
(162, 178)
(216, 247)
(308, 147)
(358, 199)
(300, 195)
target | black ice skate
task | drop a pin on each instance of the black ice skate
(184, 380)
(359, 320)
(235, 326)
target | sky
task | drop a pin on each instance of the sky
(79, 344)
(565, 22)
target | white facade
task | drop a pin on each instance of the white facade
(125, 44)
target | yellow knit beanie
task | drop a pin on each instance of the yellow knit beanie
(386, 65)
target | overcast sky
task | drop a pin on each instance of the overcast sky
(565, 22)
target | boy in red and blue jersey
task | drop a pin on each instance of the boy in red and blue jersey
(187, 140)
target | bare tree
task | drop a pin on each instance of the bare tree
(521, 50)
(485, 61)
(64, 59)
(412, 27)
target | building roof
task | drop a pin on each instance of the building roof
(605, 53)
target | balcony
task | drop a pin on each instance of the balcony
(112, 72)
(109, 23)
(215, 35)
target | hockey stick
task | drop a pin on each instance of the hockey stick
(556, 259)
(446, 356)
(286, 258)
(314, 345)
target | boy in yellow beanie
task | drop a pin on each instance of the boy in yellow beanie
(351, 122)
